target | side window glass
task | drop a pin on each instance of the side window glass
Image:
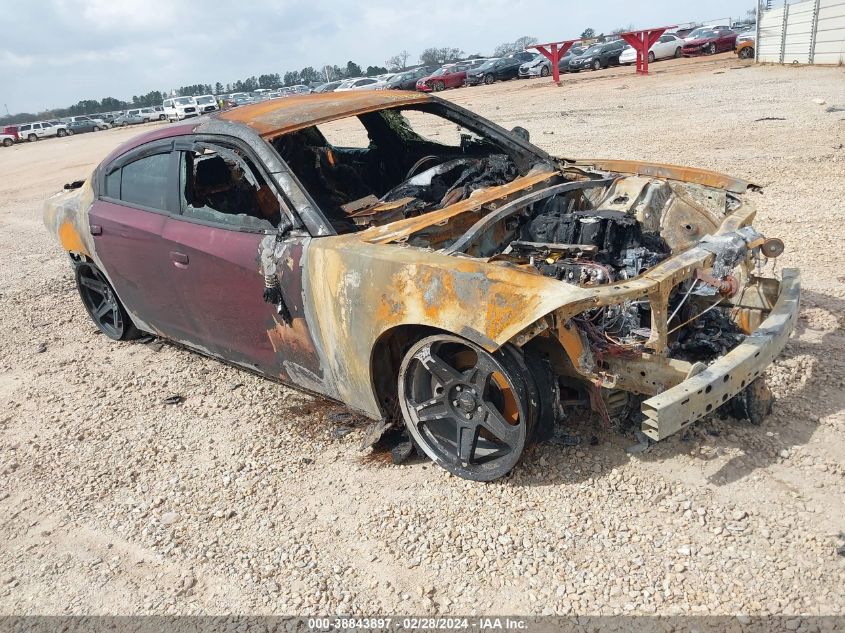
(221, 185)
(112, 188)
(144, 182)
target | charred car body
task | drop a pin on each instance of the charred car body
(475, 289)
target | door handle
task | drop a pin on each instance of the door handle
(96, 229)
(180, 260)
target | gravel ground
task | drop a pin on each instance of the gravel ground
(252, 498)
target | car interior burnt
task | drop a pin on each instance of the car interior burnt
(221, 185)
(401, 172)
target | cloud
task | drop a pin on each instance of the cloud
(62, 51)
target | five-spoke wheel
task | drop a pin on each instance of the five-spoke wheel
(102, 303)
(467, 409)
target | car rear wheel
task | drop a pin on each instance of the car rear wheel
(102, 303)
(467, 409)
(32, 138)
(161, 117)
(7, 142)
(60, 133)
(596, 64)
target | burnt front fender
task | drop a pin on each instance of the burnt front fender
(357, 291)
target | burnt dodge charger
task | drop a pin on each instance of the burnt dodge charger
(425, 267)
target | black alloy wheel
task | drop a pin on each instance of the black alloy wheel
(7, 142)
(102, 303)
(469, 410)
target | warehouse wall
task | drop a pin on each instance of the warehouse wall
(808, 32)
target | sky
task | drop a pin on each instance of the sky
(62, 51)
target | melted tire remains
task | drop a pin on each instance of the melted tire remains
(469, 410)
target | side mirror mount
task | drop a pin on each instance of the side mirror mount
(521, 132)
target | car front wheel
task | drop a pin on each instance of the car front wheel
(711, 50)
(544, 71)
(467, 409)
(102, 303)
(60, 133)
(597, 65)
(678, 52)
(489, 79)
(7, 142)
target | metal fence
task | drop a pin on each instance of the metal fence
(807, 32)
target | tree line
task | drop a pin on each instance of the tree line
(308, 75)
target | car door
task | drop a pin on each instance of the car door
(214, 259)
(135, 196)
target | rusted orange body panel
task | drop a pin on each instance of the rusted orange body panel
(280, 116)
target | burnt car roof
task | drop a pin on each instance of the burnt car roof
(279, 116)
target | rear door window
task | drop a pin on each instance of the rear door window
(144, 182)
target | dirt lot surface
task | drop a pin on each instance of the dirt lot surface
(249, 498)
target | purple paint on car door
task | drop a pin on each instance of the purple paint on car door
(129, 245)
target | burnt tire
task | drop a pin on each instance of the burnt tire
(102, 303)
(470, 411)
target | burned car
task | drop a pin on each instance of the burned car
(438, 272)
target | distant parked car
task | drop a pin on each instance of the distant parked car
(710, 43)
(540, 66)
(598, 56)
(493, 70)
(301, 89)
(80, 127)
(572, 53)
(667, 45)
(85, 117)
(360, 83)
(448, 76)
(179, 108)
(206, 103)
(130, 118)
(42, 129)
(146, 114)
(745, 43)
(407, 80)
(696, 33)
(328, 87)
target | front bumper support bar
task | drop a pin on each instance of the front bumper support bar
(695, 397)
